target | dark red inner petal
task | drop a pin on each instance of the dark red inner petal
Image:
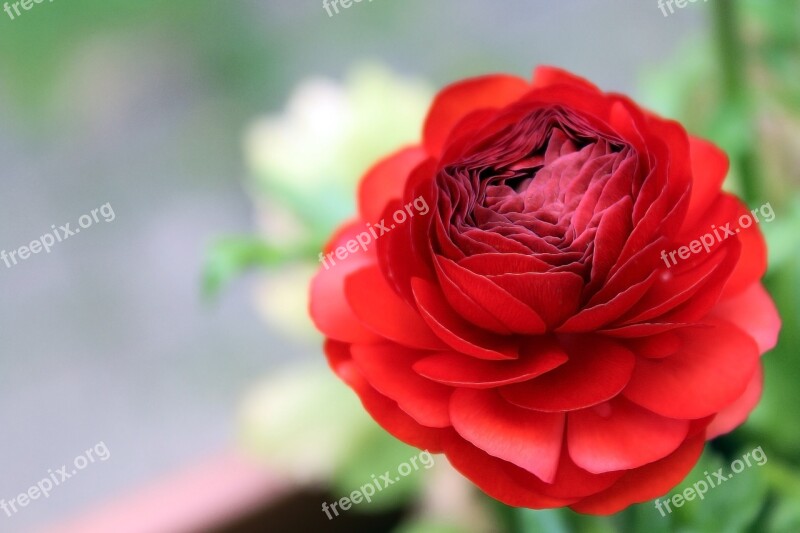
(544, 188)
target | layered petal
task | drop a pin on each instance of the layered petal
(381, 310)
(383, 410)
(387, 367)
(754, 312)
(455, 369)
(709, 371)
(456, 101)
(597, 370)
(619, 435)
(527, 439)
(645, 483)
(386, 181)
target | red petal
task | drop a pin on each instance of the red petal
(709, 168)
(643, 330)
(675, 287)
(554, 296)
(338, 355)
(525, 438)
(753, 261)
(459, 99)
(380, 309)
(390, 417)
(502, 306)
(754, 312)
(545, 76)
(619, 435)
(707, 373)
(386, 181)
(328, 307)
(490, 474)
(450, 368)
(597, 370)
(457, 333)
(387, 367)
(645, 483)
(612, 233)
(465, 306)
(655, 346)
(736, 413)
(703, 301)
(592, 318)
(571, 481)
(729, 211)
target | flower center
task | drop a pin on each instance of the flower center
(539, 186)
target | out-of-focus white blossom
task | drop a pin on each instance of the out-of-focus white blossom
(308, 160)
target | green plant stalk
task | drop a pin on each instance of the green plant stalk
(731, 52)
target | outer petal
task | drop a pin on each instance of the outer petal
(752, 264)
(381, 310)
(491, 475)
(619, 435)
(736, 413)
(645, 483)
(383, 410)
(729, 212)
(709, 168)
(328, 306)
(459, 99)
(545, 76)
(571, 481)
(386, 181)
(710, 371)
(387, 368)
(525, 438)
(752, 311)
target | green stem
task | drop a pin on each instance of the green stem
(731, 52)
(507, 517)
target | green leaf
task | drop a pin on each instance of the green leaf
(732, 505)
(783, 237)
(785, 482)
(229, 257)
(549, 520)
(428, 526)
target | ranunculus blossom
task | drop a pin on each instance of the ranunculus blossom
(527, 326)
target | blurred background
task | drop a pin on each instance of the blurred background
(228, 137)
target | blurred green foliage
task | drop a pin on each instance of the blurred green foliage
(229, 48)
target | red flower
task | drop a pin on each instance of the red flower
(532, 324)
